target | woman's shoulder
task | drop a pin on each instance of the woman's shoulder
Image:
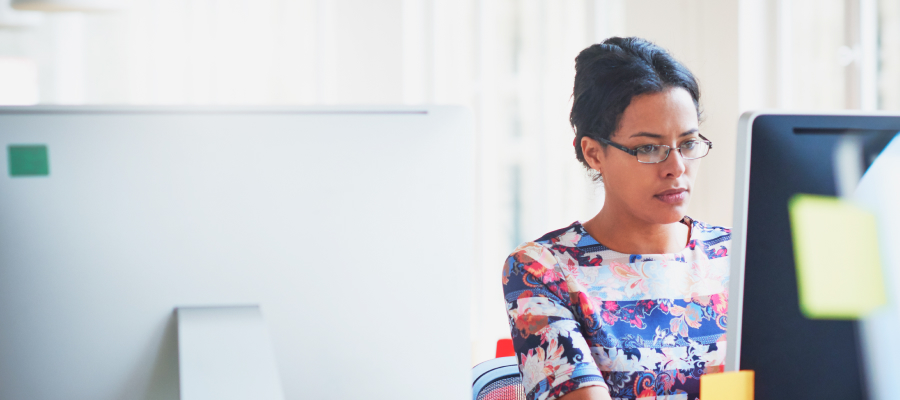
(713, 241)
(535, 267)
(538, 257)
(570, 236)
(706, 232)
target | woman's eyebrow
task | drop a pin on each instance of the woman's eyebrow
(658, 136)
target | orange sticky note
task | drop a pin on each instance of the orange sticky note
(727, 386)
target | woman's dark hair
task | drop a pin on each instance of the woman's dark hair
(608, 75)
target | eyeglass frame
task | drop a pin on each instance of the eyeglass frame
(634, 151)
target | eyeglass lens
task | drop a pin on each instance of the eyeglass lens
(690, 150)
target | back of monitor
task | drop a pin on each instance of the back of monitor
(352, 229)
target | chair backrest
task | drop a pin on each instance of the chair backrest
(497, 379)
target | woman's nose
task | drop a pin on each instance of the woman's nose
(674, 165)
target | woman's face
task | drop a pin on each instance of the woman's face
(655, 193)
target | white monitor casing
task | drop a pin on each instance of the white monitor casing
(351, 228)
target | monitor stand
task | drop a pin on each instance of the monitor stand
(226, 353)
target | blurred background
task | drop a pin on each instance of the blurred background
(510, 61)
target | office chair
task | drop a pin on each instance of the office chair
(497, 379)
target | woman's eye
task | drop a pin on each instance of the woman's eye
(689, 144)
(647, 149)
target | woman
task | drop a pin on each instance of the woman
(631, 303)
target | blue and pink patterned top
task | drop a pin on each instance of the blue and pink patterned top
(640, 325)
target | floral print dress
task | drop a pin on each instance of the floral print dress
(643, 326)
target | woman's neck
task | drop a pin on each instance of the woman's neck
(622, 232)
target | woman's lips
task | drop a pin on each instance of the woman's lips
(674, 196)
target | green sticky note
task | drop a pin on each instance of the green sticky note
(839, 272)
(28, 160)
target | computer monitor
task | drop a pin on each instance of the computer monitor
(351, 229)
(779, 155)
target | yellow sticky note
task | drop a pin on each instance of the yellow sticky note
(836, 253)
(727, 386)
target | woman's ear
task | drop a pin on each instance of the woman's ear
(593, 153)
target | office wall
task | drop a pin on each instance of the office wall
(889, 38)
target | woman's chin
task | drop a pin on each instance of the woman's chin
(670, 215)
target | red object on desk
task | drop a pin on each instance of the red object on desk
(505, 348)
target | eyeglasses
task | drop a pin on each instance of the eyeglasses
(657, 153)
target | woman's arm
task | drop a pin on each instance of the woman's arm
(588, 393)
(554, 357)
